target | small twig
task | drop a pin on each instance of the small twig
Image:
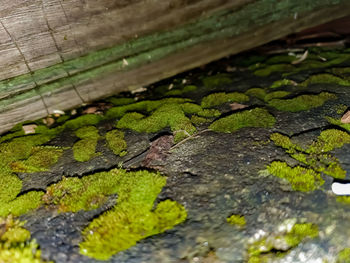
(188, 138)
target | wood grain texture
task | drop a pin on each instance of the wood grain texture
(58, 54)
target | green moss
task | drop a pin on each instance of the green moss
(15, 244)
(264, 249)
(325, 78)
(329, 140)
(40, 160)
(169, 115)
(315, 156)
(276, 95)
(300, 178)
(267, 70)
(237, 220)
(256, 92)
(120, 101)
(180, 91)
(197, 120)
(302, 102)
(282, 82)
(81, 121)
(142, 106)
(299, 232)
(85, 149)
(250, 118)
(217, 80)
(216, 99)
(132, 218)
(337, 122)
(115, 141)
(344, 256)
(343, 199)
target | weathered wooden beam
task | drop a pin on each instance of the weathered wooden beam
(111, 50)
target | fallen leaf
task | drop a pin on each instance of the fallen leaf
(30, 128)
(237, 106)
(158, 150)
(346, 117)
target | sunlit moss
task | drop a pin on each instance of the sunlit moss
(115, 141)
(237, 220)
(315, 156)
(276, 95)
(133, 217)
(338, 123)
(217, 80)
(280, 244)
(301, 179)
(216, 99)
(197, 120)
(257, 117)
(343, 199)
(302, 102)
(344, 256)
(15, 244)
(120, 101)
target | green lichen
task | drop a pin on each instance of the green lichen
(237, 220)
(344, 256)
(325, 78)
(180, 91)
(300, 178)
(217, 80)
(15, 244)
(279, 245)
(168, 115)
(302, 102)
(257, 117)
(132, 218)
(85, 149)
(217, 99)
(115, 141)
(281, 83)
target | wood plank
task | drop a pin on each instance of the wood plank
(225, 29)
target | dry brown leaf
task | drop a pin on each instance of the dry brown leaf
(346, 117)
(237, 106)
(29, 129)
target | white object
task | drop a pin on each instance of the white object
(341, 189)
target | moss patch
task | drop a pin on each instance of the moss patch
(280, 244)
(344, 256)
(216, 99)
(133, 217)
(301, 179)
(257, 93)
(217, 80)
(15, 244)
(325, 78)
(337, 122)
(315, 157)
(85, 149)
(250, 118)
(302, 102)
(181, 90)
(170, 115)
(115, 141)
(236, 220)
(281, 83)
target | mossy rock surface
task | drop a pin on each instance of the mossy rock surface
(209, 166)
